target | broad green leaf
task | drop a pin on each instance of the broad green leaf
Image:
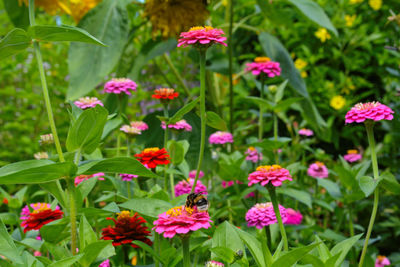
(313, 260)
(147, 206)
(331, 262)
(280, 90)
(18, 14)
(390, 183)
(14, 42)
(84, 188)
(368, 184)
(176, 152)
(61, 33)
(285, 104)
(215, 121)
(7, 246)
(55, 231)
(293, 256)
(58, 252)
(267, 105)
(35, 171)
(254, 247)
(185, 109)
(31, 243)
(315, 13)
(150, 250)
(111, 125)
(323, 250)
(55, 189)
(302, 196)
(332, 187)
(223, 253)
(86, 234)
(67, 262)
(89, 64)
(343, 248)
(93, 250)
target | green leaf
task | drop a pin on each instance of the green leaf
(35, 171)
(293, 256)
(147, 206)
(280, 90)
(14, 42)
(150, 250)
(18, 14)
(7, 246)
(315, 13)
(89, 64)
(224, 253)
(185, 109)
(323, 250)
(62, 33)
(56, 231)
(55, 189)
(93, 250)
(390, 183)
(58, 252)
(176, 151)
(254, 247)
(271, 144)
(86, 234)
(332, 187)
(368, 184)
(85, 133)
(215, 121)
(285, 104)
(343, 248)
(302, 196)
(267, 105)
(313, 260)
(111, 125)
(67, 262)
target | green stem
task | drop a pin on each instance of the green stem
(264, 246)
(202, 113)
(371, 140)
(230, 52)
(165, 146)
(156, 246)
(72, 215)
(268, 235)
(276, 136)
(186, 251)
(351, 226)
(261, 113)
(177, 75)
(172, 184)
(272, 193)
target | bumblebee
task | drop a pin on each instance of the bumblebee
(198, 200)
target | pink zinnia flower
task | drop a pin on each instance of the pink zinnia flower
(141, 125)
(253, 155)
(263, 214)
(192, 174)
(293, 217)
(214, 264)
(265, 174)
(306, 132)
(179, 125)
(83, 177)
(369, 111)
(381, 261)
(105, 263)
(220, 138)
(226, 184)
(184, 187)
(352, 155)
(202, 37)
(264, 65)
(130, 130)
(181, 220)
(120, 85)
(87, 102)
(318, 170)
(127, 177)
(37, 254)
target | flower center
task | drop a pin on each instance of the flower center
(319, 164)
(151, 149)
(125, 214)
(41, 209)
(198, 28)
(262, 59)
(380, 258)
(352, 151)
(267, 168)
(252, 148)
(263, 205)
(175, 212)
(119, 80)
(366, 106)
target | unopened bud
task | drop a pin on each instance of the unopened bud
(238, 254)
(272, 88)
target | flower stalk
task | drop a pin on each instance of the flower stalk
(230, 53)
(166, 115)
(261, 113)
(186, 252)
(272, 193)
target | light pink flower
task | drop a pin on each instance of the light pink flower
(25, 212)
(369, 111)
(253, 155)
(120, 85)
(127, 177)
(381, 261)
(105, 263)
(265, 174)
(130, 130)
(202, 37)
(141, 125)
(87, 102)
(306, 132)
(220, 138)
(83, 177)
(184, 187)
(192, 174)
(181, 220)
(179, 125)
(264, 65)
(214, 264)
(352, 155)
(293, 217)
(318, 170)
(263, 214)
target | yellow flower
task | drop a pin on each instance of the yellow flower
(356, 1)
(172, 17)
(300, 64)
(304, 74)
(77, 8)
(322, 34)
(375, 4)
(50, 6)
(350, 20)
(338, 102)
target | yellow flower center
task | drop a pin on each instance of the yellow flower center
(198, 28)
(269, 168)
(252, 148)
(40, 209)
(352, 151)
(380, 258)
(262, 59)
(150, 149)
(319, 164)
(120, 80)
(365, 106)
(175, 212)
(124, 214)
(263, 205)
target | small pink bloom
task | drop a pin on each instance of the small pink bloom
(184, 187)
(83, 177)
(105, 263)
(352, 155)
(220, 138)
(37, 254)
(293, 217)
(265, 174)
(253, 155)
(264, 65)
(179, 125)
(141, 125)
(318, 170)
(120, 85)
(263, 214)
(214, 264)
(306, 132)
(87, 102)
(381, 261)
(202, 37)
(226, 184)
(192, 174)
(369, 111)
(127, 177)
(130, 130)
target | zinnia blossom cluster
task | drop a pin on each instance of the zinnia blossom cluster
(352, 155)
(184, 187)
(369, 111)
(120, 85)
(165, 94)
(83, 177)
(127, 176)
(127, 228)
(274, 174)
(264, 65)
(253, 155)
(381, 261)
(192, 174)
(306, 132)
(262, 214)
(42, 214)
(181, 125)
(152, 157)
(202, 37)
(318, 170)
(214, 264)
(293, 217)
(88, 102)
(220, 138)
(180, 220)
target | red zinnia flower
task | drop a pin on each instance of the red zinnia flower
(127, 229)
(40, 217)
(5, 201)
(165, 93)
(151, 157)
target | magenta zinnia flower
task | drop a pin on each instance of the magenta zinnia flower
(226, 184)
(202, 37)
(352, 155)
(83, 177)
(220, 138)
(264, 65)
(381, 261)
(293, 217)
(127, 177)
(318, 170)
(214, 264)
(263, 214)
(369, 111)
(184, 187)
(181, 125)
(120, 85)
(265, 174)
(181, 220)
(306, 132)
(105, 263)
(141, 125)
(87, 102)
(192, 174)
(253, 155)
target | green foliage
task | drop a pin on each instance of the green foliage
(14, 42)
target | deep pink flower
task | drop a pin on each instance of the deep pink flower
(192, 174)
(181, 220)
(141, 125)
(318, 170)
(127, 177)
(253, 155)
(105, 263)
(352, 155)
(369, 111)
(263, 214)
(214, 264)
(120, 85)
(79, 179)
(87, 102)
(226, 184)
(179, 125)
(264, 65)
(184, 187)
(293, 217)
(202, 37)
(220, 138)
(37, 254)
(381, 261)
(306, 132)
(265, 174)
